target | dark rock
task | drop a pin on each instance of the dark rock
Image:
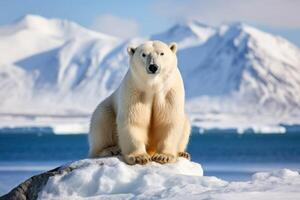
(30, 189)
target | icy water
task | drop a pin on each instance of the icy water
(227, 156)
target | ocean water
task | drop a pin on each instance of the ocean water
(228, 156)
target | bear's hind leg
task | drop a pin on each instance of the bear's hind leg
(184, 154)
(102, 133)
(110, 151)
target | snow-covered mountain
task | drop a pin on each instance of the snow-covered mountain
(243, 71)
(242, 59)
(51, 59)
(186, 34)
(235, 75)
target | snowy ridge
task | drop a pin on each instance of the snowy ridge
(111, 178)
(35, 34)
(235, 76)
(186, 34)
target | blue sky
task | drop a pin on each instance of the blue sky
(138, 17)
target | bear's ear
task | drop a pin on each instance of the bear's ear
(130, 51)
(173, 47)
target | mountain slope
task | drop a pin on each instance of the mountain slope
(34, 34)
(186, 34)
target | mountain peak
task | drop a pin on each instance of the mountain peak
(53, 26)
(239, 28)
(191, 23)
(32, 19)
(186, 33)
(257, 40)
(43, 24)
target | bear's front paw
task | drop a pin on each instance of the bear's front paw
(184, 155)
(141, 159)
(163, 158)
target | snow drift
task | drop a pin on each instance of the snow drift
(235, 76)
(111, 178)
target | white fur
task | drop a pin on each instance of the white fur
(145, 116)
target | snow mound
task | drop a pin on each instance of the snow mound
(110, 178)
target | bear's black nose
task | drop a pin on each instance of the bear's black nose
(153, 68)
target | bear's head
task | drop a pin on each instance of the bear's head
(152, 60)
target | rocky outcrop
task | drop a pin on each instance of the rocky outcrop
(29, 189)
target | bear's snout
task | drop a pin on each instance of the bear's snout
(153, 68)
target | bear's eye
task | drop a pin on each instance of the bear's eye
(144, 55)
(162, 53)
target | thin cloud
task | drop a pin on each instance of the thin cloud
(116, 26)
(275, 13)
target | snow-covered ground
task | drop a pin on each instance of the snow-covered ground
(235, 75)
(110, 178)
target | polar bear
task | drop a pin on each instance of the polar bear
(144, 118)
